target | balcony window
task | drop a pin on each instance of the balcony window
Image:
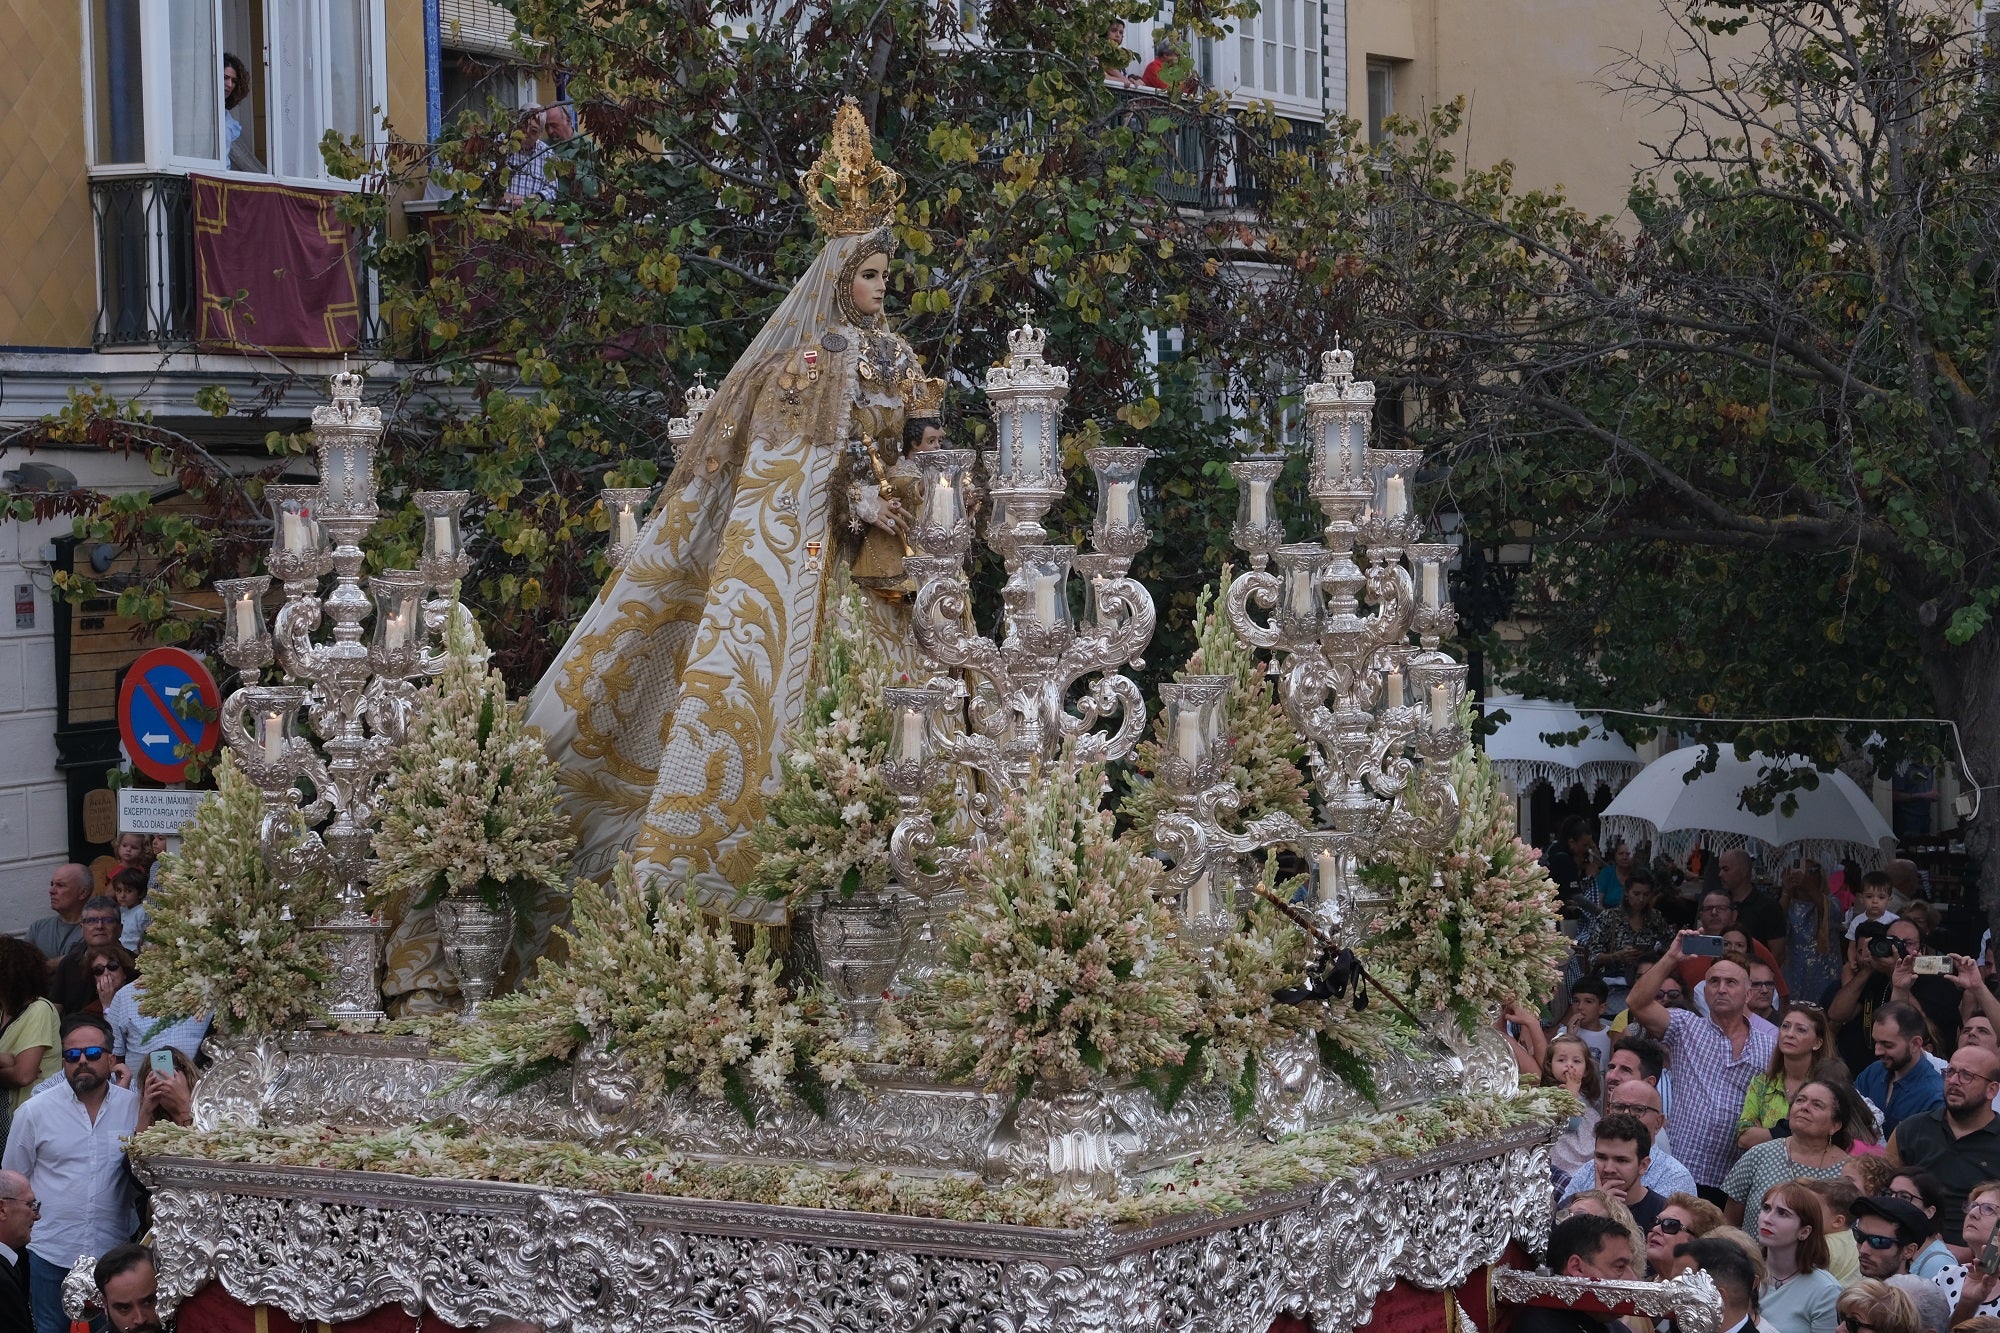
(1275, 55)
(158, 93)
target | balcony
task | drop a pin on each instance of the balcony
(297, 300)
(1214, 163)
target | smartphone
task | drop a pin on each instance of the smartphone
(1931, 965)
(1989, 1258)
(1702, 946)
(161, 1062)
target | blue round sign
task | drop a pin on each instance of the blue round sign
(153, 718)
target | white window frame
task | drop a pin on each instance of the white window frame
(1224, 60)
(157, 99)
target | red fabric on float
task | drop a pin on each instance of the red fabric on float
(274, 269)
(213, 1310)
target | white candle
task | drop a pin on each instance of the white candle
(1187, 735)
(1198, 897)
(274, 738)
(1304, 596)
(1118, 504)
(1045, 600)
(1328, 878)
(911, 736)
(442, 545)
(294, 533)
(944, 512)
(1430, 585)
(1006, 431)
(628, 525)
(1440, 707)
(1260, 498)
(395, 631)
(1393, 687)
(246, 620)
(1393, 504)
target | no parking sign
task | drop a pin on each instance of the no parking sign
(151, 724)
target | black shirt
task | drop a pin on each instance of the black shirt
(1647, 1211)
(1760, 915)
(1958, 1163)
(72, 988)
(1854, 1042)
(1548, 1319)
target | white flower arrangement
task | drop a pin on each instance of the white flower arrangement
(828, 826)
(471, 805)
(1060, 966)
(225, 938)
(653, 980)
(1489, 936)
(1264, 748)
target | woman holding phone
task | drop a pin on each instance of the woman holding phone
(1974, 1289)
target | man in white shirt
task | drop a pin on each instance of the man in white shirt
(68, 1142)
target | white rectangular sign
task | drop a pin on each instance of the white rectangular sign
(153, 810)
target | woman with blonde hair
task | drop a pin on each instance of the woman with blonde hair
(1683, 1220)
(1604, 1204)
(1871, 1306)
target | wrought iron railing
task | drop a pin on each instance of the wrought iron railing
(1217, 162)
(145, 263)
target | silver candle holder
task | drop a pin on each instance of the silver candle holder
(1013, 710)
(358, 687)
(1378, 713)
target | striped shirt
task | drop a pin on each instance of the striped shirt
(1710, 1082)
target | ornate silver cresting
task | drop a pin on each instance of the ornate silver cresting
(359, 696)
(1379, 713)
(1016, 712)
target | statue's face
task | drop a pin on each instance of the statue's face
(871, 284)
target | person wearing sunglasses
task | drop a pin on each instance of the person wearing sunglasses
(1685, 1219)
(1889, 1233)
(72, 987)
(68, 1142)
(1872, 1306)
(112, 968)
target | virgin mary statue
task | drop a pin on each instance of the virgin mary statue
(668, 709)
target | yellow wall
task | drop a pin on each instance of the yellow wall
(404, 38)
(1530, 72)
(48, 281)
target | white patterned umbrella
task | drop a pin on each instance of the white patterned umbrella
(1521, 755)
(1833, 820)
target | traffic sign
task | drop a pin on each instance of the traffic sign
(155, 810)
(150, 723)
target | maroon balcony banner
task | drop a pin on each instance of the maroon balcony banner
(274, 269)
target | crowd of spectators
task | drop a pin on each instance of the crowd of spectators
(83, 1066)
(1792, 1090)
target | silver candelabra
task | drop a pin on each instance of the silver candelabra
(1379, 713)
(359, 696)
(1008, 707)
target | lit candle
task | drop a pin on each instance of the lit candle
(910, 738)
(246, 619)
(1304, 596)
(627, 525)
(1394, 505)
(1119, 504)
(1260, 499)
(442, 546)
(395, 630)
(1187, 735)
(1440, 707)
(944, 512)
(273, 730)
(1393, 688)
(1198, 897)
(1328, 878)
(1430, 585)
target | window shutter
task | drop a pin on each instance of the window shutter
(479, 26)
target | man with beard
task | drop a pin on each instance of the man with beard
(1959, 1142)
(68, 1143)
(128, 1284)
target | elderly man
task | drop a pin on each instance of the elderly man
(73, 988)
(1959, 1142)
(1714, 1058)
(69, 1143)
(1640, 1099)
(18, 1211)
(62, 930)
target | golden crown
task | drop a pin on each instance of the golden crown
(849, 191)
(923, 399)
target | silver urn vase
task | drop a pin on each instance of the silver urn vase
(860, 944)
(923, 934)
(475, 937)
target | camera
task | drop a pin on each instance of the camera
(1887, 946)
